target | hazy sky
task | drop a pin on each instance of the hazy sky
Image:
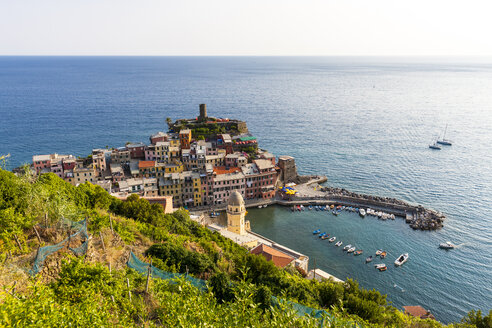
(249, 27)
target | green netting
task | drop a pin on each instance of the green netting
(46, 251)
(143, 267)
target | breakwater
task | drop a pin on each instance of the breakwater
(417, 216)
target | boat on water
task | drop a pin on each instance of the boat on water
(347, 247)
(369, 259)
(259, 206)
(362, 212)
(358, 252)
(435, 146)
(446, 245)
(443, 140)
(378, 252)
(334, 212)
(332, 239)
(310, 207)
(351, 250)
(332, 206)
(338, 243)
(325, 236)
(401, 259)
(383, 255)
(317, 231)
(322, 234)
(301, 207)
(383, 268)
(380, 265)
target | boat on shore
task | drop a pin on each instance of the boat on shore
(338, 243)
(332, 239)
(446, 245)
(401, 259)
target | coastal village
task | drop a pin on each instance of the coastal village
(209, 164)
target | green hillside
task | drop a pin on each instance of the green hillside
(87, 282)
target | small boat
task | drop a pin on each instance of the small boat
(347, 247)
(316, 208)
(446, 245)
(293, 208)
(362, 212)
(259, 206)
(317, 231)
(369, 259)
(338, 243)
(310, 207)
(325, 236)
(444, 141)
(302, 207)
(380, 265)
(358, 252)
(322, 234)
(264, 206)
(350, 250)
(332, 239)
(332, 206)
(378, 252)
(401, 259)
(382, 268)
(435, 146)
(383, 255)
(335, 212)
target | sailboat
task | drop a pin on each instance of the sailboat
(444, 141)
(435, 145)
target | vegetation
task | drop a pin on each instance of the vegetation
(85, 293)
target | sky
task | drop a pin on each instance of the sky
(249, 27)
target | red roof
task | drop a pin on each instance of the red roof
(418, 311)
(145, 164)
(223, 170)
(278, 258)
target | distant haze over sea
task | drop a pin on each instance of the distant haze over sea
(365, 122)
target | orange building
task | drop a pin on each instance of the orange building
(185, 138)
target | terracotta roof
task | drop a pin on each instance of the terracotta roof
(418, 311)
(144, 164)
(223, 170)
(278, 258)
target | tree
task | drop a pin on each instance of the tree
(221, 287)
(475, 318)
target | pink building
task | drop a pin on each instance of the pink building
(159, 136)
(225, 181)
(150, 154)
(137, 150)
(260, 179)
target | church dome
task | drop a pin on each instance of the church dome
(235, 199)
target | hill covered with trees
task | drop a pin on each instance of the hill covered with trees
(98, 289)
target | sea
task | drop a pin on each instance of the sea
(364, 122)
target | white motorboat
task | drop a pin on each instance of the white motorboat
(259, 206)
(338, 243)
(378, 252)
(362, 212)
(347, 247)
(332, 239)
(446, 245)
(380, 265)
(401, 259)
(350, 250)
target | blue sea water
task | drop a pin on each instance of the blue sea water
(364, 122)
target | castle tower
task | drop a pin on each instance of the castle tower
(236, 212)
(203, 112)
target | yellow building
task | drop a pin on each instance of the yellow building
(236, 211)
(84, 174)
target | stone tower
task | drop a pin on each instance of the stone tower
(236, 212)
(203, 113)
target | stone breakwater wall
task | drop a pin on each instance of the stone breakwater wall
(417, 216)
